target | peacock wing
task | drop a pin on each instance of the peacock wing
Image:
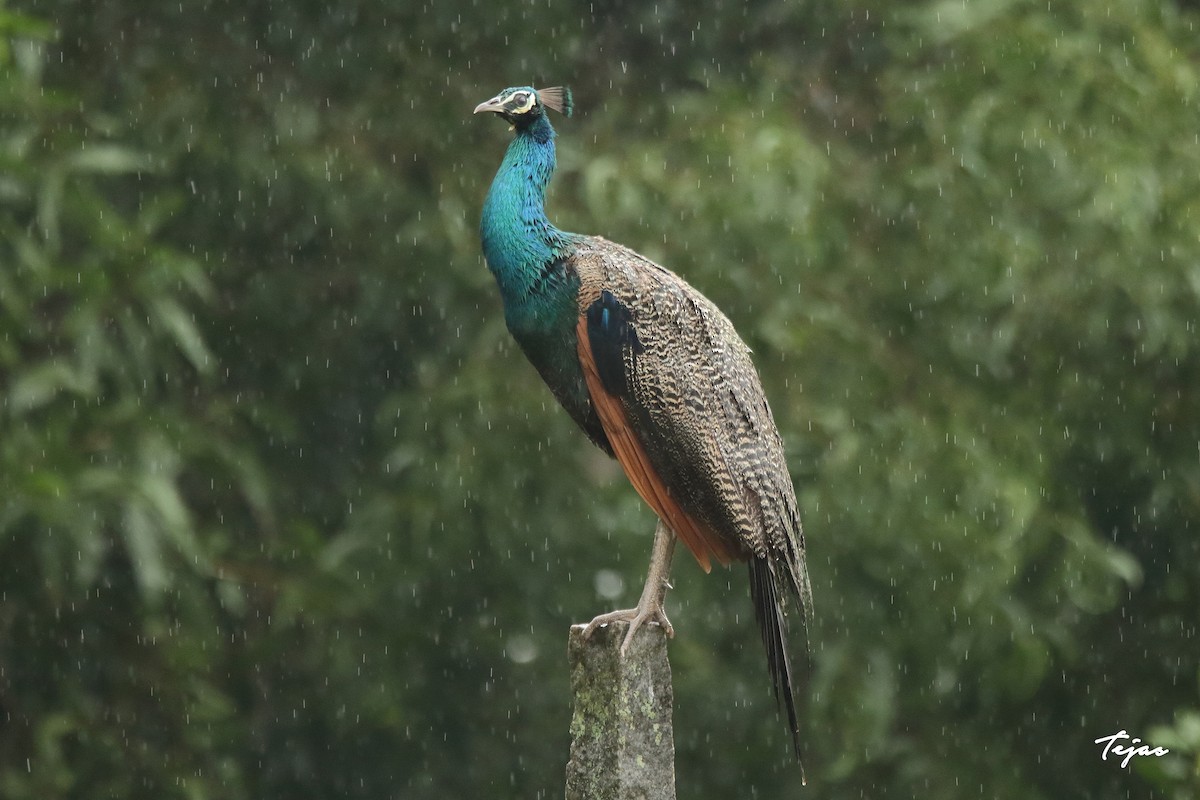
(671, 374)
(682, 405)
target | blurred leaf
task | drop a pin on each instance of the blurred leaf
(183, 330)
(110, 159)
(40, 385)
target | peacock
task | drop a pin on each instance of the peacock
(656, 376)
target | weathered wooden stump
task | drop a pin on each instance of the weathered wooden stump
(622, 747)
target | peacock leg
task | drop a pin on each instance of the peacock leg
(650, 606)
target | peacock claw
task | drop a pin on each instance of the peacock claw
(635, 617)
(654, 593)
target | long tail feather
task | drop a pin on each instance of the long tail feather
(764, 593)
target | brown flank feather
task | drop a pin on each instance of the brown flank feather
(633, 459)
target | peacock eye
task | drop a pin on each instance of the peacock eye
(522, 101)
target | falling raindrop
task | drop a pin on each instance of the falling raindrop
(522, 649)
(609, 584)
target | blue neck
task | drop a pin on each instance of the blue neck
(519, 242)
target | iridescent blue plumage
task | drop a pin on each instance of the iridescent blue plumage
(529, 256)
(519, 242)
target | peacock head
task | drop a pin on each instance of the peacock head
(522, 106)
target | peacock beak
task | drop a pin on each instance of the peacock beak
(493, 105)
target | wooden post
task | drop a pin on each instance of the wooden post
(622, 747)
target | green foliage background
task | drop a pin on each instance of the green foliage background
(283, 513)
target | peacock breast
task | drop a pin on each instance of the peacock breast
(543, 323)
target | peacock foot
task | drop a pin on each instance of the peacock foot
(645, 612)
(654, 593)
